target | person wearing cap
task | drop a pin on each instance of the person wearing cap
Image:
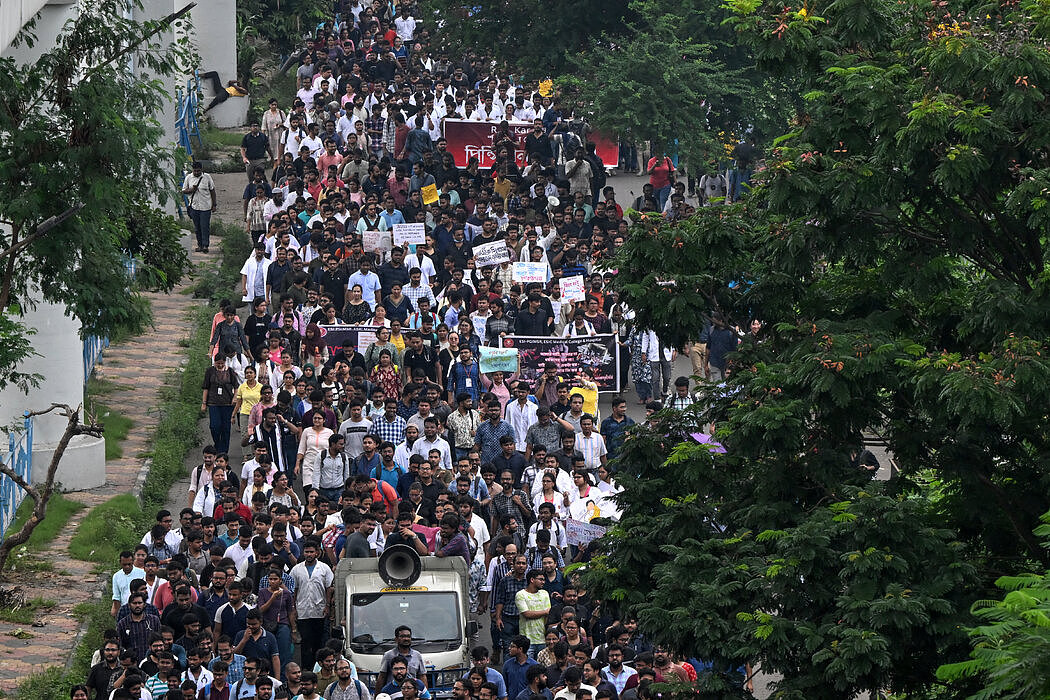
(255, 150)
(199, 189)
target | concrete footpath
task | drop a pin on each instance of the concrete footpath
(138, 367)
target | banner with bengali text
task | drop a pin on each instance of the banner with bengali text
(470, 139)
(600, 353)
(339, 336)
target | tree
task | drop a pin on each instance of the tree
(679, 78)
(1011, 645)
(894, 245)
(538, 37)
(41, 494)
(81, 156)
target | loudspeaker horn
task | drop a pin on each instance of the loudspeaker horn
(399, 565)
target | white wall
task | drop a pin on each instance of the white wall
(215, 27)
(15, 13)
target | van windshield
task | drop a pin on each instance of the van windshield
(433, 617)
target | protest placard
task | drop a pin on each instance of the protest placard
(377, 241)
(580, 533)
(498, 359)
(430, 194)
(491, 254)
(572, 288)
(530, 272)
(410, 234)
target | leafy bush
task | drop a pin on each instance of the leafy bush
(219, 279)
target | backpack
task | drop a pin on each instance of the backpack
(358, 685)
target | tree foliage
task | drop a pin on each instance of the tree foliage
(1011, 645)
(678, 77)
(895, 247)
(82, 146)
(538, 37)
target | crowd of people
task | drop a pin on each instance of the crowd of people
(320, 453)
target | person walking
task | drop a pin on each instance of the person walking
(219, 388)
(202, 200)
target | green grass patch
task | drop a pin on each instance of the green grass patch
(97, 388)
(177, 430)
(23, 612)
(54, 681)
(117, 424)
(108, 529)
(213, 138)
(59, 510)
(117, 427)
(214, 281)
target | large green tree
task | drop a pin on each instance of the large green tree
(82, 155)
(895, 247)
(538, 37)
(678, 77)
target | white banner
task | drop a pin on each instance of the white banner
(491, 254)
(410, 234)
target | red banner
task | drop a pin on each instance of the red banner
(471, 139)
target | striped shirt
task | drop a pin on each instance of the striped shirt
(592, 448)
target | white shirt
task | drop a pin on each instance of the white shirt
(422, 448)
(562, 481)
(405, 27)
(202, 680)
(251, 269)
(521, 418)
(173, 539)
(402, 454)
(480, 115)
(201, 199)
(206, 500)
(315, 145)
(237, 553)
(558, 537)
(310, 589)
(481, 531)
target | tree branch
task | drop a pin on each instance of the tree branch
(42, 496)
(162, 24)
(45, 226)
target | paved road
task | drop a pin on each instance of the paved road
(230, 187)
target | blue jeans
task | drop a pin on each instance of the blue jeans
(284, 649)
(661, 196)
(739, 182)
(219, 424)
(331, 494)
(201, 219)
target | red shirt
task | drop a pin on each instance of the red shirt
(243, 511)
(660, 176)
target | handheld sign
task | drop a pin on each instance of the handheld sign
(377, 242)
(572, 288)
(530, 272)
(498, 360)
(430, 194)
(410, 234)
(491, 254)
